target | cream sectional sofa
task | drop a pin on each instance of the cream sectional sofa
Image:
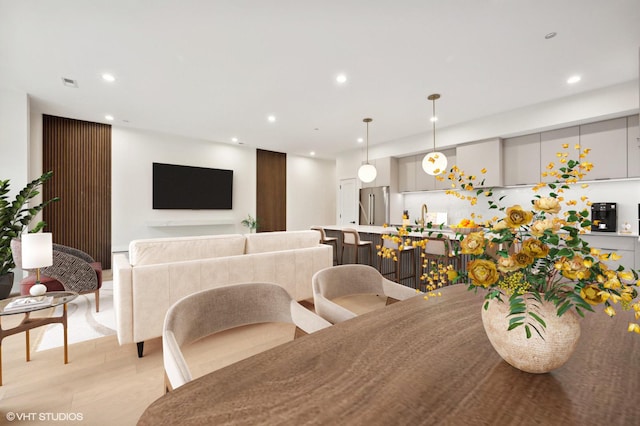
(159, 272)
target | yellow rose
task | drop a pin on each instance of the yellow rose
(507, 264)
(482, 272)
(591, 294)
(539, 226)
(523, 259)
(535, 248)
(575, 269)
(500, 225)
(473, 243)
(547, 204)
(517, 217)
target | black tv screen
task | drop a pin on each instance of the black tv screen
(192, 188)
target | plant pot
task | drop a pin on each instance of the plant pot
(536, 354)
(6, 284)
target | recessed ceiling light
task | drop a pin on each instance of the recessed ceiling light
(108, 117)
(574, 79)
(341, 78)
(108, 77)
(433, 119)
(271, 118)
(234, 140)
(360, 140)
(312, 153)
(550, 35)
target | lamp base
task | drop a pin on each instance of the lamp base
(38, 289)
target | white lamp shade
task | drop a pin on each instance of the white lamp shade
(37, 250)
(434, 163)
(367, 173)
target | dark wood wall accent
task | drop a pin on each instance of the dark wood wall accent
(79, 153)
(271, 191)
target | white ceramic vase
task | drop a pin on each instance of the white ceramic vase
(536, 354)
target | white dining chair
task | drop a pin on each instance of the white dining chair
(346, 291)
(210, 311)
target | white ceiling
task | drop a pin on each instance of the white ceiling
(215, 69)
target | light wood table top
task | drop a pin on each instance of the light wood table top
(416, 362)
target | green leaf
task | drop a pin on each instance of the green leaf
(528, 331)
(514, 325)
(537, 318)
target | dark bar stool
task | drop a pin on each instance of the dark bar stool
(332, 241)
(402, 252)
(439, 251)
(351, 239)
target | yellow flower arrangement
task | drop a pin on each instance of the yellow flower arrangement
(537, 250)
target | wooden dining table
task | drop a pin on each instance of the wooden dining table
(416, 362)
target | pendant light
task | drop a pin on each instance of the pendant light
(367, 172)
(434, 162)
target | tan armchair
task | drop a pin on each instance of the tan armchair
(210, 311)
(72, 270)
(343, 292)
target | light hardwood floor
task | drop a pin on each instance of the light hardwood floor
(105, 383)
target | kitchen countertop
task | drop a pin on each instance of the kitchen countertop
(368, 229)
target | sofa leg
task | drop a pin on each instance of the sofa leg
(140, 348)
(97, 294)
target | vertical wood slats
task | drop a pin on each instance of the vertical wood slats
(271, 191)
(79, 153)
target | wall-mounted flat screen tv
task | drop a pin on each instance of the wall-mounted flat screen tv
(192, 188)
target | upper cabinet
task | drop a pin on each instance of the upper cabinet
(521, 159)
(473, 157)
(387, 173)
(451, 160)
(407, 173)
(608, 143)
(411, 176)
(551, 144)
(633, 147)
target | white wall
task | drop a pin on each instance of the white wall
(14, 139)
(311, 192)
(134, 151)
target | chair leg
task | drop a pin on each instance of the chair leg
(97, 294)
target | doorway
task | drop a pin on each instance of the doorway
(348, 202)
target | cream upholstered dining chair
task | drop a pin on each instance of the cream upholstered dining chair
(346, 291)
(210, 311)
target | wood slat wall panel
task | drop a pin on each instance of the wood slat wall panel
(79, 153)
(271, 190)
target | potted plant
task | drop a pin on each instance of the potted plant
(251, 223)
(14, 217)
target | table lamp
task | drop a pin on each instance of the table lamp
(37, 252)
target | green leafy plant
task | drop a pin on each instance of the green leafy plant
(16, 215)
(250, 222)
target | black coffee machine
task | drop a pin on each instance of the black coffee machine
(604, 217)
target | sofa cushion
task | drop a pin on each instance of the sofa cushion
(163, 250)
(283, 240)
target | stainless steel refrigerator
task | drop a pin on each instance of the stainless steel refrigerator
(374, 206)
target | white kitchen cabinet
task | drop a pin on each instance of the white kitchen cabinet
(551, 144)
(521, 159)
(473, 157)
(451, 160)
(633, 147)
(608, 143)
(407, 173)
(387, 173)
(621, 245)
